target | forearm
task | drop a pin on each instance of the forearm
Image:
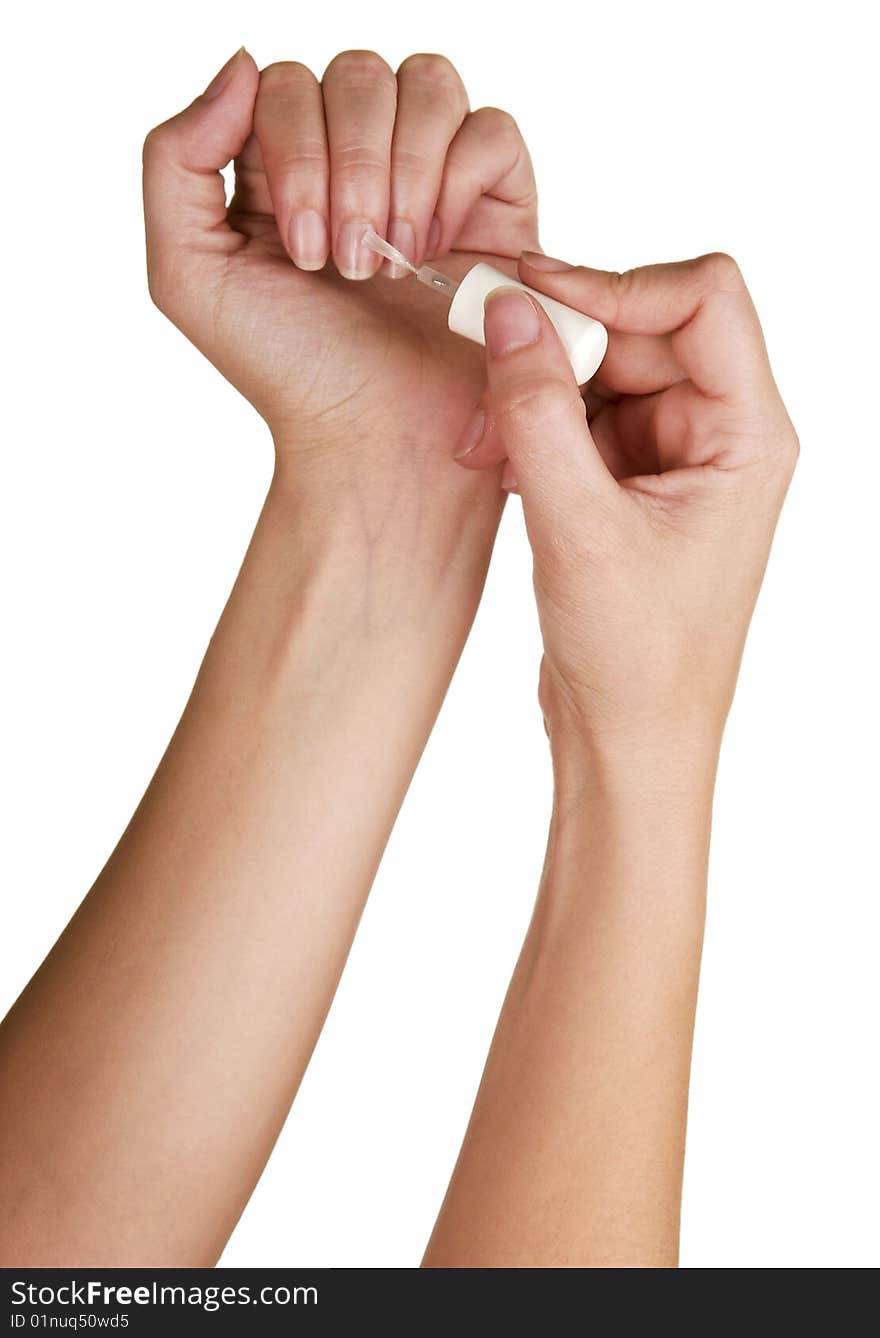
(574, 1152)
(650, 526)
(149, 1065)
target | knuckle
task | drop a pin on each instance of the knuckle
(284, 74)
(436, 74)
(431, 68)
(156, 145)
(359, 161)
(621, 283)
(556, 556)
(306, 161)
(499, 124)
(410, 161)
(720, 270)
(360, 68)
(538, 405)
(155, 287)
(622, 280)
(162, 285)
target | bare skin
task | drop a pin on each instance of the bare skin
(149, 1065)
(650, 526)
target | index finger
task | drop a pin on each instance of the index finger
(703, 305)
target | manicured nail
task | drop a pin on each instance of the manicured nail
(511, 321)
(472, 436)
(400, 235)
(221, 79)
(353, 259)
(308, 239)
(548, 264)
(433, 236)
(508, 478)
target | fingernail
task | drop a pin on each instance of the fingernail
(433, 236)
(511, 321)
(353, 259)
(472, 436)
(221, 79)
(401, 235)
(508, 478)
(308, 239)
(538, 260)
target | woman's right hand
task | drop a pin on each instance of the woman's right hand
(651, 515)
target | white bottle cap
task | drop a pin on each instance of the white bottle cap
(585, 340)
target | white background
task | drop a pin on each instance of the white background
(132, 475)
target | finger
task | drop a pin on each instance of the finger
(289, 125)
(626, 435)
(540, 416)
(508, 478)
(480, 445)
(488, 160)
(360, 95)
(639, 364)
(603, 429)
(184, 195)
(703, 306)
(655, 431)
(431, 105)
(635, 365)
(251, 194)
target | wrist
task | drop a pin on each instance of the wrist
(650, 755)
(636, 804)
(628, 846)
(644, 766)
(400, 520)
(336, 619)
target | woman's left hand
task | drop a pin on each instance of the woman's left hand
(360, 382)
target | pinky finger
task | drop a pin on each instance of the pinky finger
(487, 160)
(480, 445)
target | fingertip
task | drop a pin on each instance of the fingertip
(511, 321)
(213, 129)
(402, 236)
(480, 445)
(308, 241)
(247, 63)
(352, 257)
(474, 431)
(238, 65)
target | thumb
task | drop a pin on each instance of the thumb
(184, 194)
(537, 410)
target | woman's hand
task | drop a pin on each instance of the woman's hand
(208, 951)
(650, 515)
(650, 526)
(355, 379)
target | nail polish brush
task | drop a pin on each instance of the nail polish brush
(584, 339)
